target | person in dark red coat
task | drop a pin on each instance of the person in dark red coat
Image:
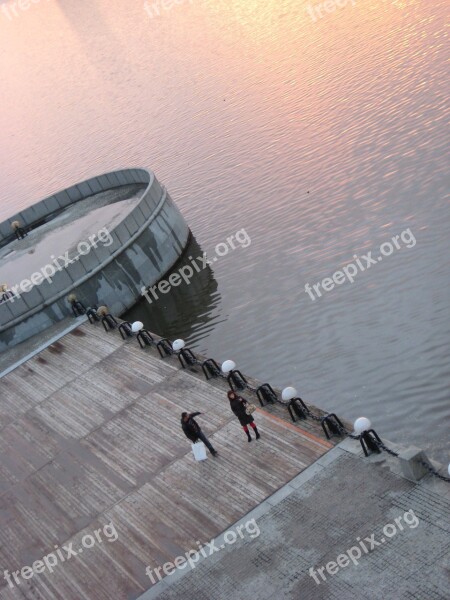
(238, 406)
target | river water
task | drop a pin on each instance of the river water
(320, 134)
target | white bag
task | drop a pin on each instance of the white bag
(199, 450)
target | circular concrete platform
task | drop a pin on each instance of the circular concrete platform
(105, 238)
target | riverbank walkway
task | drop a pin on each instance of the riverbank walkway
(90, 435)
(346, 528)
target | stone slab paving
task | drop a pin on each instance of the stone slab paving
(325, 511)
(90, 438)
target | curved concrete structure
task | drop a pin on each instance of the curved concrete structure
(145, 245)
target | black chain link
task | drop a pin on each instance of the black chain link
(283, 402)
(343, 431)
(252, 389)
(385, 448)
(313, 416)
(433, 471)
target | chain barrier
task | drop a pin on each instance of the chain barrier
(385, 448)
(433, 471)
(92, 315)
(343, 431)
(283, 402)
(312, 415)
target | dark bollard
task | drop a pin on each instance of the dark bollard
(266, 394)
(19, 231)
(109, 322)
(236, 380)
(6, 296)
(297, 406)
(125, 330)
(210, 368)
(332, 425)
(92, 315)
(6, 293)
(370, 442)
(145, 338)
(187, 358)
(164, 347)
(78, 307)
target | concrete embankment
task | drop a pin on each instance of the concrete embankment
(90, 435)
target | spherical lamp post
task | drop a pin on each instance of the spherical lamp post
(185, 355)
(78, 307)
(137, 326)
(228, 366)
(143, 336)
(235, 379)
(362, 424)
(289, 393)
(367, 436)
(296, 406)
(178, 345)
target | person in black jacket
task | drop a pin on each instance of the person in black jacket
(238, 406)
(193, 432)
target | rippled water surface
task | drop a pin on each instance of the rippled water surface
(322, 137)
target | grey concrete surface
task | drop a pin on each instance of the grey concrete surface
(327, 510)
(411, 462)
(35, 213)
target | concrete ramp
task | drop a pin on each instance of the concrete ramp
(344, 529)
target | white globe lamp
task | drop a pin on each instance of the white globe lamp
(362, 424)
(137, 326)
(289, 393)
(228, 366)
(178, 345)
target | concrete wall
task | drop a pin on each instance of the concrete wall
(145, 245)
(62, 199)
